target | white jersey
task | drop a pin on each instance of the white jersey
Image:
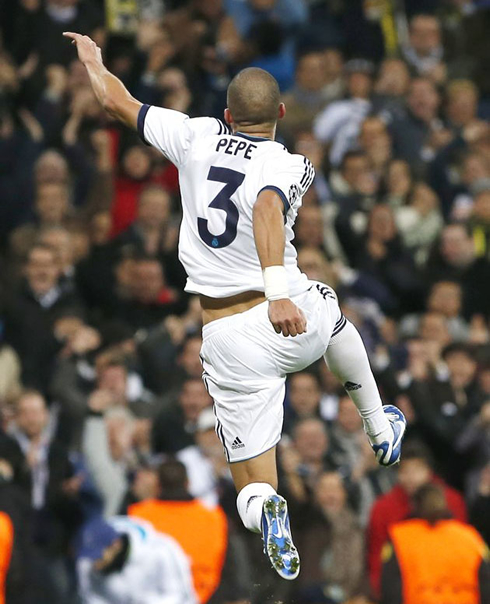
(157, 570)
(221, 174)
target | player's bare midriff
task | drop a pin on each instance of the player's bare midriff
(217, 308)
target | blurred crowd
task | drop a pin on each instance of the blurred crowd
(103, 410)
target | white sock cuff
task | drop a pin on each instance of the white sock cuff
(250, 510)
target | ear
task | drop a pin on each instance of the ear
(228, 117)
(282, 111)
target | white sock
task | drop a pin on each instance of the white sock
(346, 357)
(249, 503)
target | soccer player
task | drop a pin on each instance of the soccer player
(262, 318)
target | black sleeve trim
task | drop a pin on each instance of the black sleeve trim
(141, 122)
(308, 175)
(220, 126)
(283, 197)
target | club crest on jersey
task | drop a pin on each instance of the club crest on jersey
(294, 194)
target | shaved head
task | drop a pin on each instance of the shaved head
(254, 98)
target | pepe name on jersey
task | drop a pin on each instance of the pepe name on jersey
(234, 146)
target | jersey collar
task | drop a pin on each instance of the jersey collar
(250, 137)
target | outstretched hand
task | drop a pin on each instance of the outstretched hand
(287, 318)
(88, 51)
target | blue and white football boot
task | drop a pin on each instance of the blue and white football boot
(388, 452)
(278, 542)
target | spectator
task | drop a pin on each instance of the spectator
(398, 182)
(267, 32)
(346, 436)
(6, 543)
(353, 189)
(125, 559)
(383, 257)
(150, 298)
(446, 299)
(462, 103)
(419, 222)
(61, 241)
(40, 27)
(411, 132)
(52, 488)
(339, 124)
(445, 399)
(434, 554)
(474, 439)
(333, 544)
(309, 227)
(480, 222)
(415, 471)
(375, 141)
(9, 373)
(30, 314)
(200, 531)
(305, 458)
(425, 52)
(175, 425)
(307, 96)
(52, 208)
(304, 399)
(206, 469)
(107, 448)
(455, 260)
(481, 505)
(151, 232)
(391, 85)
(136, 169)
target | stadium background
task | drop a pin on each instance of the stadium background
(390, 100)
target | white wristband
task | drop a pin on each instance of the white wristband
(276, 285)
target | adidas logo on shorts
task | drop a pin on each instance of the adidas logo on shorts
(237, 444)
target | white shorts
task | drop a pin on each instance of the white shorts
(245, 365)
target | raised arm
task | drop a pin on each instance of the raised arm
(109, 90)
(268, 225)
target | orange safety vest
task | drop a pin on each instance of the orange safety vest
(201, 532)
(6, 542)
(439, 563)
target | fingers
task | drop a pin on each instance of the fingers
(70, 34)
(286, 318)
(76, 38)
(290, 327)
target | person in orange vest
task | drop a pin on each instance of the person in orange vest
(415, 470)
(433, 558)
(6, 543)
(202, 532)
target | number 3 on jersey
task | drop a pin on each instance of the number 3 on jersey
(232, 180)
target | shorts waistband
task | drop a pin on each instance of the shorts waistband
(217, 325)
(225, 322)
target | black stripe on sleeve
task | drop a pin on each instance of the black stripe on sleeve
(226, 128)
(140, 124)
(310, 179)
(305, 174)
(220, 125)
